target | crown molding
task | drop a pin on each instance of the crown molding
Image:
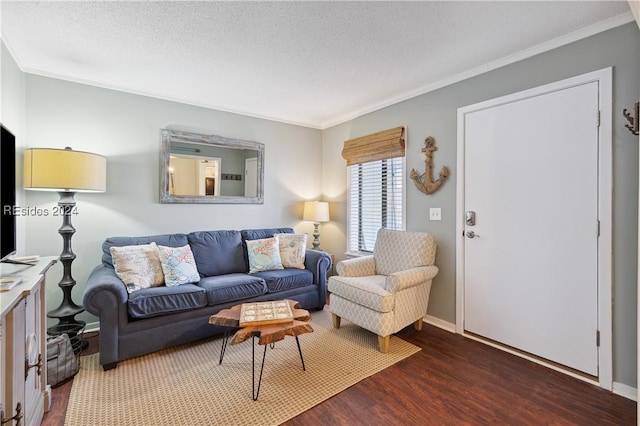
(583, 33)
(608, 24)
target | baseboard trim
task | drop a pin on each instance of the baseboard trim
(91, 327)
(440, 323)
(625, 391)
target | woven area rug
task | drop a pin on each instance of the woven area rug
(186, 386)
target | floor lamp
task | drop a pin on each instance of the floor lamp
(316, 212)
(65, 171)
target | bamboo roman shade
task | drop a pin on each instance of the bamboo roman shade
(376, 146)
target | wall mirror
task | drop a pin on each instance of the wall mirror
(210, 169)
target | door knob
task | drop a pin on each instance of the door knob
(471, 234)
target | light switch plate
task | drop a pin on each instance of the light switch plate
(435, 213)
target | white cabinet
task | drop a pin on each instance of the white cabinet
(24, 394)
(35, 384)
(14, 373)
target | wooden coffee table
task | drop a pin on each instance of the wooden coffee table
(267, 334)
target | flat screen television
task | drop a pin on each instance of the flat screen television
(7, 193)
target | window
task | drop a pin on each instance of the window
(375, 200)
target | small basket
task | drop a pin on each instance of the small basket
(73, 331)
(64, 344)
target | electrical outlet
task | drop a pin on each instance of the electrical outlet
(435, 213)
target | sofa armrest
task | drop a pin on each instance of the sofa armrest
(103, 288)
(357, 267)
(318, 262)
(411, 277)
(106, 297)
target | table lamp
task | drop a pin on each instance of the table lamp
(316, 212)
(65, 171)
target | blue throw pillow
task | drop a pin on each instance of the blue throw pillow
(264, 255)
(178, 265)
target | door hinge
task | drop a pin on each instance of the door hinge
(598, 338)
(597, 228)
(598, 119)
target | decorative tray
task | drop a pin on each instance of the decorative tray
(261, 313)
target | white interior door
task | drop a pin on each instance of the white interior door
(251, 177)
(209, 168)
(531, 177)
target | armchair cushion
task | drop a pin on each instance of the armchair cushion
(400, 250)
(357, 267)
(412, 277)
(365, 291)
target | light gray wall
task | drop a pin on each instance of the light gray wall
(126, 129)
(435, 114)
(12, 116)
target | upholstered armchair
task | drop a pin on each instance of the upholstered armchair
(389, 290)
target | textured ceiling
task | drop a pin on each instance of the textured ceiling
(309, 63)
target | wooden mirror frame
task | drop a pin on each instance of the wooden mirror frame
(168, 136)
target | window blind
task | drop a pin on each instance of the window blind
(375, 201)
(376, 146)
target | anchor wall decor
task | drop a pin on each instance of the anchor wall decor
(634, 120)
(424, 182)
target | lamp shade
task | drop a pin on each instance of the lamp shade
(49, 169)
(316, 211)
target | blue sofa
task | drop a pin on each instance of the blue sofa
(151, 319)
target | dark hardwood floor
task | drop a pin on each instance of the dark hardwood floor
(452, 380)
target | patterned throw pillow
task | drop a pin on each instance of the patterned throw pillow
(138, 266)
(292, 249)
(264, 255)
(178, 265)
